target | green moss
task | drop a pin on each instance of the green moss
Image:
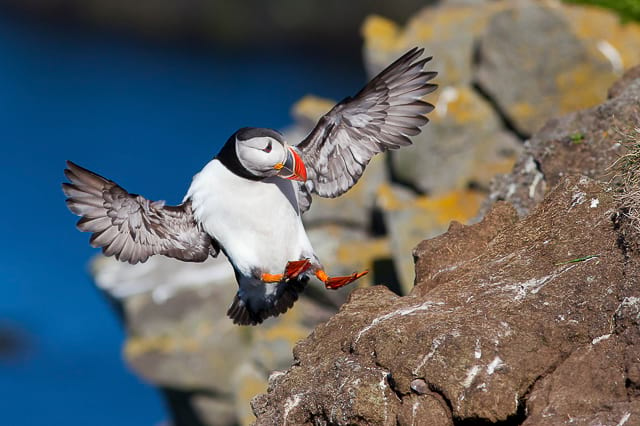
(629, 10)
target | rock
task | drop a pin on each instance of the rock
(464, 144)
(528, 84)
(409, 219)
(437, 29)
(515, 309)
(627, 79)
(585, 142)
(530, 79)
(601, 29)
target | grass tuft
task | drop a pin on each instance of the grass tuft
(626, 178)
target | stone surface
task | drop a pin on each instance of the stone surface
(520, 305)
(585, 142)
(627, 80)
(438, 30)
(531, 316)
(464, 144)
(410, 219)
(536, 59)
(526, 83)
(603, 32)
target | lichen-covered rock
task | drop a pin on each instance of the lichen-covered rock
(600, 29)
(528, 84)
(513, 303)
(465, 143)
(586, 142)
(438, 30)
(410, 219)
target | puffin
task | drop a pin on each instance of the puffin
(247, 202)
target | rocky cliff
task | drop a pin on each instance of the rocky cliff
(523, 320)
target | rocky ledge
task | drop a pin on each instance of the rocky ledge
(521, 320)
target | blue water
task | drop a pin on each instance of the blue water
(145, 115)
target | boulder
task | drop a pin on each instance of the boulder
(528, 84)
(531, 316)
(464, 144)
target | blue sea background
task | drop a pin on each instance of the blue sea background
(148, 115)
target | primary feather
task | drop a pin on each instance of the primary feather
(382, 116)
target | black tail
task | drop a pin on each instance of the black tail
(243, 314)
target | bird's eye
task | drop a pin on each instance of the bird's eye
(267, 149)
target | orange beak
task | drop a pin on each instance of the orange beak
(293, 167)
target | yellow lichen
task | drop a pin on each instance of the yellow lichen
(311, 107)
(581, 87)
(595, 24)
(380, 33)
(460, 205)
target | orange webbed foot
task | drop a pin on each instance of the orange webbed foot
(335, 283)
(296, 267)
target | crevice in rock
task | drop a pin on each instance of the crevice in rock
(392, 385)
(384, 272)
(507, 123)
(378, 228)
(395, 179)
(621, 241)
(436, 390)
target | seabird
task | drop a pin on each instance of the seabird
(247, 202)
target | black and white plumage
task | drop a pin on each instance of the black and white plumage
(248, 200)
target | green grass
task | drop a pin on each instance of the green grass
(629, 10)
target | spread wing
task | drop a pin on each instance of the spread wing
(130, 227)
(380, 117)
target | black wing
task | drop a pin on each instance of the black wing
(380, 117)
(130, 227)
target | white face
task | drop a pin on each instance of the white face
(260, 155)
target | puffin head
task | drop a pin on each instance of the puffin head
(263, 153)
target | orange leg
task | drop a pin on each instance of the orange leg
(293, 269)
(334, 283)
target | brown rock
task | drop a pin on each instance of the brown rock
(524, 305)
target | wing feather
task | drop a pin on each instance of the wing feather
(131, 227)
(382, 116)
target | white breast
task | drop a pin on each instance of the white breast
(256, 222)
